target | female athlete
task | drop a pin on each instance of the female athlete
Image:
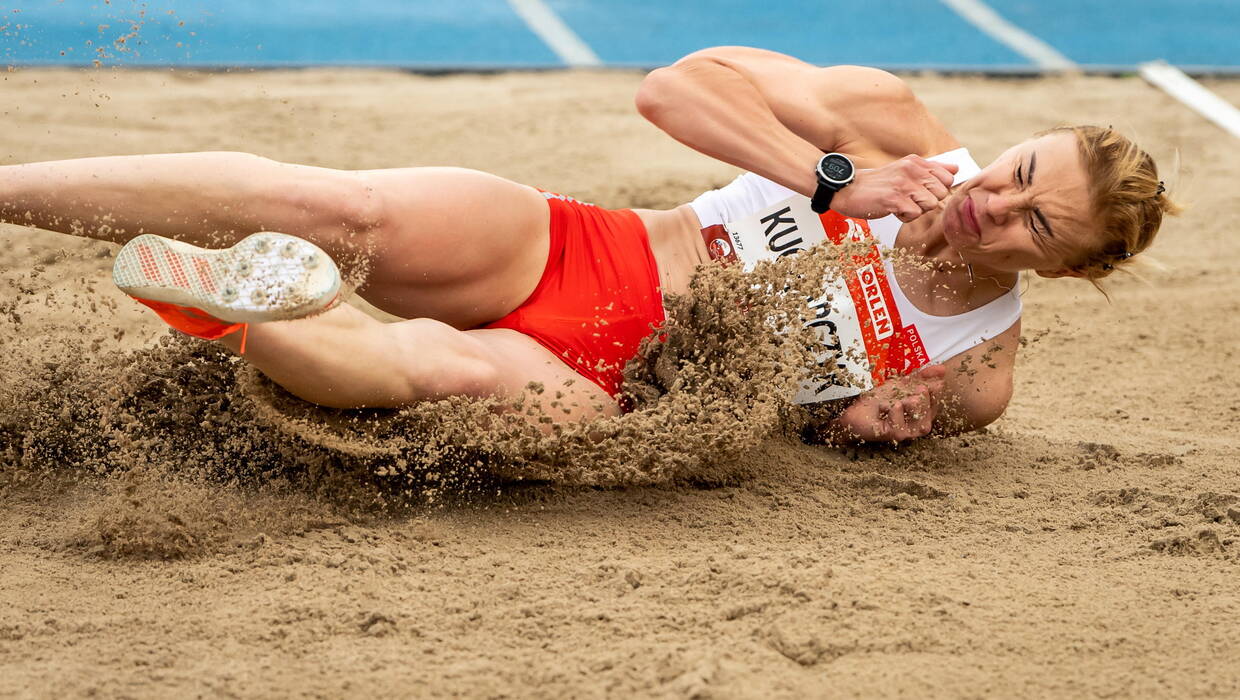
(504, 284)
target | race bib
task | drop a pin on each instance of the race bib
(857, 323)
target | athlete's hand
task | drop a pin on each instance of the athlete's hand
(908, 188)
(902, 408)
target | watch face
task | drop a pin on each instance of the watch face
(836, 168)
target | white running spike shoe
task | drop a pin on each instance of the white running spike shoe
(264, 277)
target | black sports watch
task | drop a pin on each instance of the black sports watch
(834, 172)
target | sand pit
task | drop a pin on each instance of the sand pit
(1087, 544)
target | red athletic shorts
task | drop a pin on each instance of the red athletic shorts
(599, 295)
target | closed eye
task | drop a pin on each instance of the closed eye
(1020, 181)
(1046, 225)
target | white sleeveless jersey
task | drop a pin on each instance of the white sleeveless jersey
(868, 328)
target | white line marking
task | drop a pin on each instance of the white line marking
(561, 39)
(1192, 93)
(1012, 36)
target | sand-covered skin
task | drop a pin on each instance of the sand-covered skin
(1087, 544)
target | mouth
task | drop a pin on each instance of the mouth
(968, 216)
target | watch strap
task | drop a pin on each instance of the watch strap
(821, 201)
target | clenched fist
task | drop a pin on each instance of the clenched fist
(908, 188)
(903, 408)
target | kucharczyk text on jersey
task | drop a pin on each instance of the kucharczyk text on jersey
(829, 338)
(843, 366)
(782, 242)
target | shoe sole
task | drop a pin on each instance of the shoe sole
(264, 277)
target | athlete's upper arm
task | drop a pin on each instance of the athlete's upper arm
(830, 107)
(978, 383)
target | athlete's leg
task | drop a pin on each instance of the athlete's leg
(457, 245)
(345, 359)
(208, 199)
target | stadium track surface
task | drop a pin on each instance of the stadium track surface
(1199, 36)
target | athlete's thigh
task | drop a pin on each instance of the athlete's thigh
(461, 246)
(566, 395)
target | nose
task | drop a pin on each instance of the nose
(1001, 206)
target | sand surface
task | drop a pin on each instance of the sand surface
(1086, 545)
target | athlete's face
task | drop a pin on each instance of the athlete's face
(1028, 210)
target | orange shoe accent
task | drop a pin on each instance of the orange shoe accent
(195, 322)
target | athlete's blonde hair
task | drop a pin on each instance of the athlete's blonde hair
(1127, 199)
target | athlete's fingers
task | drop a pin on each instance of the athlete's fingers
(911, 410)
(936, 188)
(908, 211)
(904, 419)
(925, 200)
(864, 418)
(879, 414)
(897, 422)
(944, 172)
(930, 399)
(920, 407)
(920, 416)
(934, 389)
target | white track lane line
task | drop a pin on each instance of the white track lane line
(1192, 93)
(561, 39)
(981, 16)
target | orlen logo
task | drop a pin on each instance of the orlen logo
(874, 301)
(719, 248)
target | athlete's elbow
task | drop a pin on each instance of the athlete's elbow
(976, 412)
(984, 418)
(664, 88)
(655, 92)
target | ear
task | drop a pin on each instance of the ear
(1061, 272)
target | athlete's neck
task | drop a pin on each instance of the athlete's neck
(923, 237)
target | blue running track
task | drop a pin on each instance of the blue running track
(1197, 35)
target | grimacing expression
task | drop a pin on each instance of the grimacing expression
(1028, 210)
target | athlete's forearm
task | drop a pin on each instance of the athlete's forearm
(716, 110)
(191, 195)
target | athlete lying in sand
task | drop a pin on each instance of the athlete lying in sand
(504, 284)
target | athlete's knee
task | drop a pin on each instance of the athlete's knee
(332, 201)
(355, 204)
(441, 361)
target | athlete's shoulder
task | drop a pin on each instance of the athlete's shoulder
(882, 115)
(842, 85)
